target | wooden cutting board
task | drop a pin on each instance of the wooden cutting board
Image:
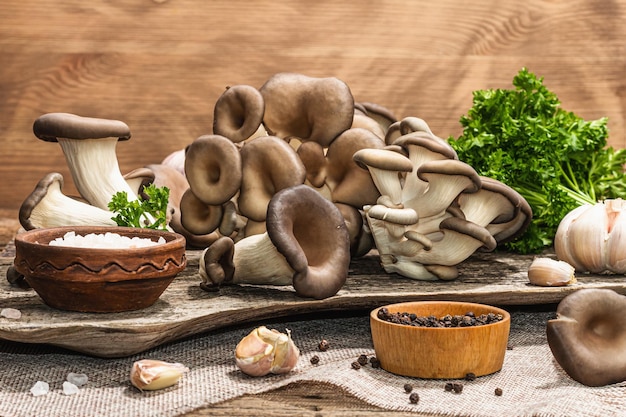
(184, 309)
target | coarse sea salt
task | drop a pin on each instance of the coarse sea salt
(107, 240)
(40, 388)
(69, 388)
(77, 379)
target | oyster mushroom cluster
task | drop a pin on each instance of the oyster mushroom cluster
(295, 179)
(434, 210)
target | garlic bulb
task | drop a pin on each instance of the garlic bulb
(548, 272)
(149, 374)
(591, 237)
(265, 351)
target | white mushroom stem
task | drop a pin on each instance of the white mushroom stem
(95, 169)
(257, 261)
(47, 206)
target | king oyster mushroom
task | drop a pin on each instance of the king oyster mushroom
(306, 245)
(89, 148)
(47, 206)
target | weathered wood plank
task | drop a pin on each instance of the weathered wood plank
(185, 309)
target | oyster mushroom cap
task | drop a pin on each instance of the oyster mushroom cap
(309, 108)
(306, 244)
(446, 178)
(269, 165)
(213, 169)
(383, 115)
(386, 168)
(238, 112)
(197, 217)
(310, 232)
(89, 147)
(349, 182)
(588, 336)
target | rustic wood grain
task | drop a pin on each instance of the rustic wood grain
(160, 65)
(184, 309)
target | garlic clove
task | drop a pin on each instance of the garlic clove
(547, 272)
(150, 374)
(265, 351)
(588, 234)
(615, 248)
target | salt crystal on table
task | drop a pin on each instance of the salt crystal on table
(69, 388)
(11, 313)
(77, 379)
(40, 388)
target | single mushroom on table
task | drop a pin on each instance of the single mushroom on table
(89, 148)
(306, 245)
(47, 206)
(588, 336)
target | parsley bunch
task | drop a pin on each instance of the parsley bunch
(150, 212)
(553, 158)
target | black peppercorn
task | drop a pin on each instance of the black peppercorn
(323, 345)
(356, 365)
(362, 360)
(414, 398)
(470, 376)
(408, 388)
(457, 388)
(498, 392)
(448, 387)
(315, 359)
(374, 362)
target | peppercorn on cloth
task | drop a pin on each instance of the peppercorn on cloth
(531, 381)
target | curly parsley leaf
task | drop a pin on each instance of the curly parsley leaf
(552, 157)
(149, 212)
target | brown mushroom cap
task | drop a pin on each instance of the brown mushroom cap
(217, 266)
(426, 142)
(197, 217)
(213, 169)
(269, 164)
(349, 182)
(588, 337)
(51, 126)
(384, 116)
(310, 232)
(238, 112)
(309, 108)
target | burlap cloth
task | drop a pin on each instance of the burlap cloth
(532, 382)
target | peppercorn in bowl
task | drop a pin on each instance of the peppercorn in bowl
(440, 339)
(99, 269)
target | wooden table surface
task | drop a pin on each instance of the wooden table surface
(160, 65)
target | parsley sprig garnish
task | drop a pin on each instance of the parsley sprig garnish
(552, 157)
(149, 212)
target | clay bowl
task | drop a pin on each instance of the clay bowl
(441, 352)
(98, 280)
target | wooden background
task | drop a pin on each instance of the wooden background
(159, 65)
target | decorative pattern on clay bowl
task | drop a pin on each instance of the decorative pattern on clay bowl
(99, 280)
(440, 352)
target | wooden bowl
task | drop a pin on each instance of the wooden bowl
(98, 280)
(440, 352)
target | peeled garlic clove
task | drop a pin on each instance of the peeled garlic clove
(149, 374)
(548, 272)
(265, 351)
